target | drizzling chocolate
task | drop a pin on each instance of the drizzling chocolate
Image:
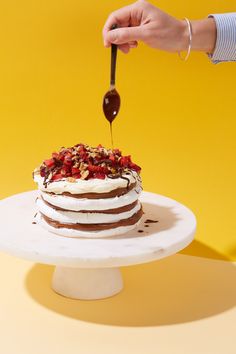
(111, 107)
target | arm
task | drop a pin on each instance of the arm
(225, 47)
(142, 21)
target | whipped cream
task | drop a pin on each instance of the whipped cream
(85, 186)
(76, 204)
(70, 217)
(86, 234)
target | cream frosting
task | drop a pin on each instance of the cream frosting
(68, 217)
(84, 234)
(85, 186)
(77, 204)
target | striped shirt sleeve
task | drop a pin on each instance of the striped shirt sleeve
(225, 48)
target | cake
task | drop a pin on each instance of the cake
(88, 192)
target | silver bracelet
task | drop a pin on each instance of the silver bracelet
(190, 31)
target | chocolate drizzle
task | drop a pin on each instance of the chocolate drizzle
(149, 221)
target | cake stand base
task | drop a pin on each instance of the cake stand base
(87, 284)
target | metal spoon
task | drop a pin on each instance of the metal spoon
(111, 100)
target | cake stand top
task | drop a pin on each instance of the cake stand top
(174, 230)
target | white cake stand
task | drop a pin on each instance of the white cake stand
(89, 268)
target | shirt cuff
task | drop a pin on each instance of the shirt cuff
(225, 48)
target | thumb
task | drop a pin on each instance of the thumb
(125, 35)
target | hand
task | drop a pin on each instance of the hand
(144, 22)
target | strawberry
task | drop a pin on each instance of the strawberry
(84, 162)
(77, 175)
(112, 157)
(125, 161)
(57, 177)
(56, 156)
(68, 160)
(75, 171)
(135, 167)
(99, 175)
(42, 172)
(49, 163)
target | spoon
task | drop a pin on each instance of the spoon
(111, 100)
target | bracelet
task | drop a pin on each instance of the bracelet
(190, 40)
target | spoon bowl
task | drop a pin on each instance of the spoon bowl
(111, 104)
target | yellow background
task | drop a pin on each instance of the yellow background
(177, 119)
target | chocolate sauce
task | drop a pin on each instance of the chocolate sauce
(111, 100)
(149, 221)
(111, 107)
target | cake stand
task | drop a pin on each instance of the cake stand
(89, 268)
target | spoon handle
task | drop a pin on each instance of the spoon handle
(113, 62)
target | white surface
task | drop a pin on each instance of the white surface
(94, 185)
(71, 217)
(87, 284)
(173, 232)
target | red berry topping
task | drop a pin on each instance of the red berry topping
(85, 162)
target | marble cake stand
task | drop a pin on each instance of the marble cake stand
(89, 268)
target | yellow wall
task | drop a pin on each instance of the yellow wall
(177, 119)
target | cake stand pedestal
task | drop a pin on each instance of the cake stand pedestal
(89, 284)
(89, 268)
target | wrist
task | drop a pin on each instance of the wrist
(204, 35)
(183, 42)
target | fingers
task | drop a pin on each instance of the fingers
(125, 48)
(120, 17)
(125, 35)
(133, 44)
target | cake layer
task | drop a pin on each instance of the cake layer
(70, 203)
(114, 193)
(84, 234)
(95, 227)
(86, 186)
(109, 211)
(72, 217)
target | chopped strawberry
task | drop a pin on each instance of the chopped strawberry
(135, 167)
(116, 152)
(124, 161)
(57, 177)
(68, 160)
(85, 162)
(49, 163)
(99, 175)
(112, 158)
(56, 156)
(65, 172)
(77, 175)
(42, 172)
(75, 170)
